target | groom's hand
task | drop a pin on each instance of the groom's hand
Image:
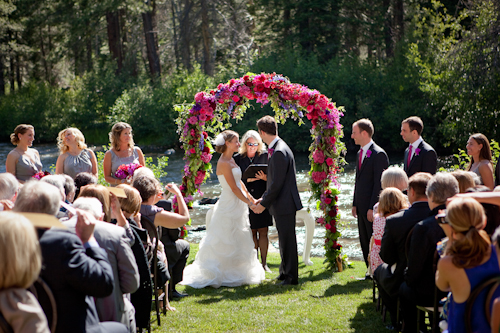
(258, 208)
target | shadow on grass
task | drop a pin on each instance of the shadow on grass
(367, 319)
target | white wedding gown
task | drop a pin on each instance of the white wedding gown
(226, 256)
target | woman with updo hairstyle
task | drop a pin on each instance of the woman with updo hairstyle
(253, 151)
(23, 162)
(478, 147)
(469, 260)
(394, 178)
(227, 255)
(20, 262)
(123, 151)
(74, 156)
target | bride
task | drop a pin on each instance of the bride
(227, 256)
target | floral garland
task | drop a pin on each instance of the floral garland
(212, 109)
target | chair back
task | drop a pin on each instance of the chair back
(487, 289)
(41, 290)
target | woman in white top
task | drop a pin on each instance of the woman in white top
(75, 157)
(478, 147)
(23, 162)
(123, 151)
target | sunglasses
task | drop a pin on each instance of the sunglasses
(252, 144)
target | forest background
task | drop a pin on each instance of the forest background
(90, 63)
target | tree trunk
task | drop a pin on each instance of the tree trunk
(207, 40)
(149, 24)
(114, 40)
(399, 19)
(12, 71)
(176, 41)
(2, 78)
(186, 35)
(387, 29)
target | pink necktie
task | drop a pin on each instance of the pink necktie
(409, 156)
(360, 158)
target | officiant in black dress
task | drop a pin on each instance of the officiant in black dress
(252, 151)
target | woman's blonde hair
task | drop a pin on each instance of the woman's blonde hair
(255, 135)
(466, 216)
(80, 139)
(228, 135)
(116, 131)
(391, 201)
(20, 129)
(131, 204)
(102, 194)
(20, 257)
(394, 177)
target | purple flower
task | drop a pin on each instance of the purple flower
(368, 153)
(417, 151)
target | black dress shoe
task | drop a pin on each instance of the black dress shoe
(281, 277)
(288, 281)
(176, 294)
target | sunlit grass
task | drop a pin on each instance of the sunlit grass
(322, 302)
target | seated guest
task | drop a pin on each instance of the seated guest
(74, 266)
(102, 194)
(117, 306)
(478, 147)
(69, 189)
(59, 182)
(465, 180)
(74, 156)
(82, 179)
(469, 260)
(419, 285)
(9, 186)
(492, 211)
(389, 275)
(391, 177)
(21, 262)
(23, 162)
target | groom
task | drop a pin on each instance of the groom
(281, 198)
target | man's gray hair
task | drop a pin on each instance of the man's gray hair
(38, 197)
(441, 187)
(91, 205)
(8, 186)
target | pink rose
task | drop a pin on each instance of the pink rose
(310, 108)
(206, 158)
(236, 99)
(318, 176)
(328, 201)
(333, 140)
(318, 156)
(329, 161)
(320, 220)
(192, 151)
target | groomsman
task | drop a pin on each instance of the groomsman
(370, 163)
(419, 156)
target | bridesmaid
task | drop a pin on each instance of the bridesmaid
(23, 162)
(74, 156)
(478, 147)
(122, 151)
(252, 151)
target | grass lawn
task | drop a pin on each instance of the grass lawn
(322, 302)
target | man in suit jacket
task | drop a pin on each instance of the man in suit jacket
(393, 250)
(114, 240)
(418, 287)
(281, 197)
(74, 266)
(371, 161)
(419, 156)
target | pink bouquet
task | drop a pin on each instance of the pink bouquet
(126, 171)
(40, 174)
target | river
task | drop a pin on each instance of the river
(348, 228)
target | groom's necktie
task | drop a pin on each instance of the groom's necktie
(409, 156)
(360, 158)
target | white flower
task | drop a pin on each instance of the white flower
(219, 140)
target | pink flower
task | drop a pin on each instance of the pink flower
(310, 108)
(192, 151)
(203, 117)
(320, 220)
(193, 120)
(328, 226)
(206, 158)
(333, 140)
(318, 176)
(318, 156)
(270, 152)
(199, 96)
(368, 153)
(200, 176)
(417, 151)
(236, 99)
(328, 201)
(329, 161)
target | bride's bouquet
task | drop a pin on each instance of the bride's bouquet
(126, 171)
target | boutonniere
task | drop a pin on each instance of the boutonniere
(270, 152)
(417, 151)
(368, 153)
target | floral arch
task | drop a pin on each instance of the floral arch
(212, 109)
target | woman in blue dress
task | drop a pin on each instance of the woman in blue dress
(74, 156)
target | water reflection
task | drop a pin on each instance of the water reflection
(349, 240)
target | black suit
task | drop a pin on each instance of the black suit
(283, 201)
(73, 274)
(418, 288)
(425, 161)
(392, 251)
(497, 174)
(367, 190)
